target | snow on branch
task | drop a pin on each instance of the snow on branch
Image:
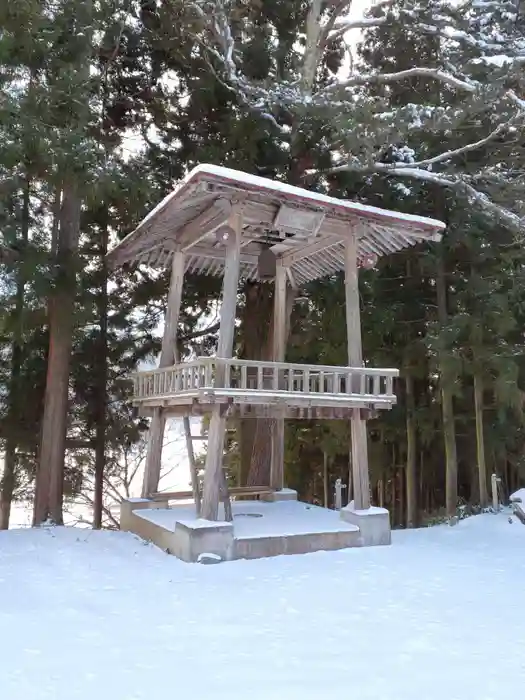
(457, 183)
(380, 78)
(448, 155)
(361, 23)
(516, 100)
(222, 48)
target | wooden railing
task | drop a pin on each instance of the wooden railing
(249, 375)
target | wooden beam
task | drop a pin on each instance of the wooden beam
(167, 358)
(234, 491)
(360, 477)
(142, 241)
(306, 251)
(205, 223)
(217, 429)
(211, 253)
(193, 466)
(278, 355)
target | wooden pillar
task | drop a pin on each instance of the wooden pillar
(168, 353)
(360, 477)
(278, 355)
(217, 428)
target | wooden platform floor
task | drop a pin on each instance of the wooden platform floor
(258, 404)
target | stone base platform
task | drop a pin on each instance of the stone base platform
(259, 529)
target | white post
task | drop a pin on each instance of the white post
(217, 429)
(495, 499)
(360, 477)
(338, 494)
(151, 479)
(278, 355)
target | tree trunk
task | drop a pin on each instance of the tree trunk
(102, 378)
(411, 466)
(259, 474)
(256, 345)
(50, 473)
(256, 439)
(401, 491)
(393, 497)
(480, 440)
(9, 475)
(325, 480)
(381, 491)
(447, 403)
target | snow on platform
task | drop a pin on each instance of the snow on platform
(439, 615)
(253, 519)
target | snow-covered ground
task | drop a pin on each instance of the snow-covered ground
(439, 615)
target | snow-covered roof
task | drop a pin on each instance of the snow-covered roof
(307, 229)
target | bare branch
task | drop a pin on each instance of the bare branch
(448, 155)
(199, 334)
(339, 8)
(411, 171)
(452, 182)
(218, 25)
(361, 23)
(380, 78)
(516, 100)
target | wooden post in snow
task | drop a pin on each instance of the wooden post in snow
(217, 428)
(278, 355)
(360, 478)
(167, 357)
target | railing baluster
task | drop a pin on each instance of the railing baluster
(207, 374)
(198, 377)
(258, 376)
(227, 375)
(306, 381)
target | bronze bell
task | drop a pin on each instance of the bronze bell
(266, 264)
